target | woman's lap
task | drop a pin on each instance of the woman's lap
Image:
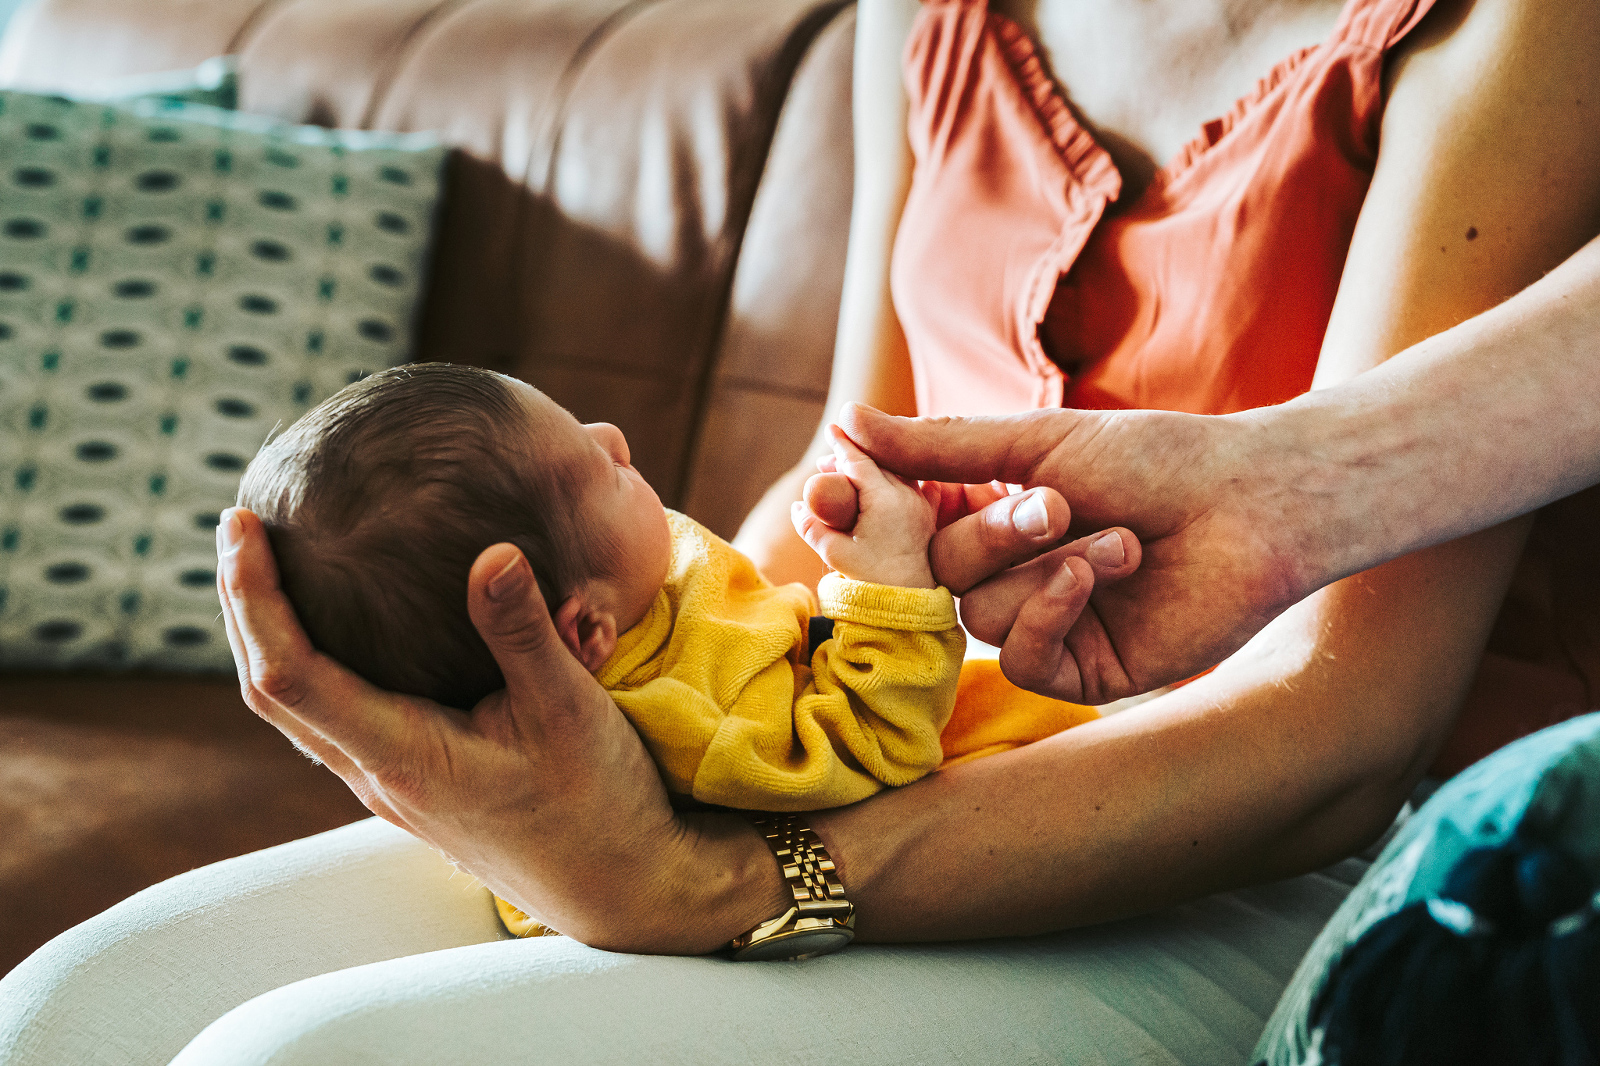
(321, 942)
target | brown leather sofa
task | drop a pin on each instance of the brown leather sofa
(646, 218)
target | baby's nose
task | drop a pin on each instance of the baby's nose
(611, 439)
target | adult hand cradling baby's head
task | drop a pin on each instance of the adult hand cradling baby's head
(546, 767)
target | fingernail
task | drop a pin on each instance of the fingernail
(508, 582)
(1106, 550)
(1066, 580)
(229, 533)
(1031, 517)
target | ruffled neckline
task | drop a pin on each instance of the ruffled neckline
(1090, 163)
(1216, 129)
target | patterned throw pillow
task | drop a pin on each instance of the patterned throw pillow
(175, 281)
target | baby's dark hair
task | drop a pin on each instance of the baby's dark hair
(377, 502)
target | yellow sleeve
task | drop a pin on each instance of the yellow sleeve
(868, 715)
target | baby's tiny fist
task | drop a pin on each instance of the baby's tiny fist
(832, 498)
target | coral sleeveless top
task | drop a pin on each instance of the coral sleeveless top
(1210, 293)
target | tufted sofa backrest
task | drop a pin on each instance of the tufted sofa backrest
(647, 213)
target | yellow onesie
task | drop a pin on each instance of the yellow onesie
(715, 678)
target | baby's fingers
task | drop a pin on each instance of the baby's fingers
(851, 461)
(829, 464)
(822, 538)
(833, 498)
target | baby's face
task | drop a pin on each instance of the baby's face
(617, 503)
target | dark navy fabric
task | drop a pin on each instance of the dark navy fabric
(821, 629)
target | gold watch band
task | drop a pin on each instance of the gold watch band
(821, 919)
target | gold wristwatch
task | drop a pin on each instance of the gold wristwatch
(820, 920)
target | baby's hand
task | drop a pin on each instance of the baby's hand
(893, 519)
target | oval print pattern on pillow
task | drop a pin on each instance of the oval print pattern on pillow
(175, 281)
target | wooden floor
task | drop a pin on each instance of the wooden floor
(108, 785)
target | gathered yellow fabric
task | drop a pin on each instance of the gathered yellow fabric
(716, 681)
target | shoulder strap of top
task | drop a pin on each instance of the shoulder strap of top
(1380, 24)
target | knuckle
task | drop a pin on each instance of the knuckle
(986, 632)
(276, 685)
(521, 639)
(1045, 626)
(1096, 688)
(982, 621)
(1026, 665)
(1067, 685)
(995, 529)
(952, 571)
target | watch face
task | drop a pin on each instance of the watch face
(801, 944)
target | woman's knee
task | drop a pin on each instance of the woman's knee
(136, 982)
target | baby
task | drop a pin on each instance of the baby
(378, 501)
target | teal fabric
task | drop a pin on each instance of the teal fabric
(175, 281)
(1546, 785)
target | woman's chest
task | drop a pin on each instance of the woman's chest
(1032, 268)
(1144, 76)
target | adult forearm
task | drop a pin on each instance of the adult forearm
(1271, 766)
(1107, 820)
(1488, 420)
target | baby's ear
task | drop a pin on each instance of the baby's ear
(566, 622)
(589, 634)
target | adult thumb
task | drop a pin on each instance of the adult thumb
(971, 450)
(510, 614)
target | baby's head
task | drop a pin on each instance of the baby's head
(378, 501)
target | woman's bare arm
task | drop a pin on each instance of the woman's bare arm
(870, 363)
(1300, 747)
(1291, 755)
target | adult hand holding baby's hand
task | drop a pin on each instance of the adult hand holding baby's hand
(1193, 488)
(867, 524)
(544, 791)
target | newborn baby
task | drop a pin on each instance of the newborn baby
(378, 501)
